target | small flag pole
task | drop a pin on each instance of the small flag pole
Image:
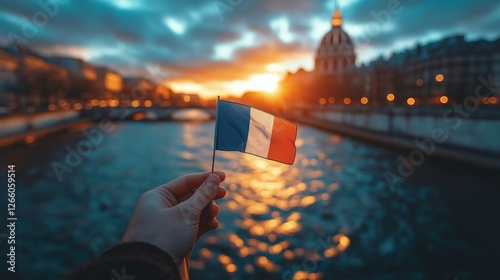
(216, 132)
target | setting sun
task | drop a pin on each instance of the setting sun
(267, 83)
(264, 82)
(257, 82)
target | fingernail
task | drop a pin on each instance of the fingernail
(212, 183)
(212, 180)
(220, 173)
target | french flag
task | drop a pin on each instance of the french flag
(248, 130)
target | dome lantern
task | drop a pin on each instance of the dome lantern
(337, 17)
(335, 54)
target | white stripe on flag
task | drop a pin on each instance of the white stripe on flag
(259, 133)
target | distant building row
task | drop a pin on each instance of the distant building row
(446, 71)
(28, 79)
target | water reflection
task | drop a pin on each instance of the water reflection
(329, 214)
(269, 208)
(190, 115)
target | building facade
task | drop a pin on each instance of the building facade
(334, 74)
(335, 54)
(8, 78)
(447, 71)
(28, 80)
(109, 84)
(441, 72)
(83, 75)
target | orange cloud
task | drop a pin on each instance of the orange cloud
(250, 69)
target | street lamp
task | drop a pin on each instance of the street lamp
(410, 101)
(390, 97)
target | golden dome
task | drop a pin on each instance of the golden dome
(337, 17)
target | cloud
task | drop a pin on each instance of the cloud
(220, 41)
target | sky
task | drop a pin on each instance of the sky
(221, 47)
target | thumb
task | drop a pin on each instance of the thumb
(202, 196)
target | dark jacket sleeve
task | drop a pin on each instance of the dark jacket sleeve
(129, 261)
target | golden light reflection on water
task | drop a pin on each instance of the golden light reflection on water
(265, 188)
(231, 268)
(188, 136)
(223, 259)
(190, 115)
(303, 275)
(343, 242)
(265, 263)
(266, 207)
(226, 261)
(205, 253)
(275, 249)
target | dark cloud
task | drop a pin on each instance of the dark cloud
(418, 19)
(125, 33)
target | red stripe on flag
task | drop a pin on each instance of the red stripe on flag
(282, 146)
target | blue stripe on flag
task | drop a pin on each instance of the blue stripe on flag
(232, 125)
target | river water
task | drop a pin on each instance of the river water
(329, 216)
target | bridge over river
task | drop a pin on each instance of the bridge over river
(153, 113)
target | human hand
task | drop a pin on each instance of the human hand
(173, 216)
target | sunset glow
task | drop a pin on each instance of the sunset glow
(263, 82)
(204, 50)
(257, 82)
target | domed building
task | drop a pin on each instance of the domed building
(336, 51)
(335, 75)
